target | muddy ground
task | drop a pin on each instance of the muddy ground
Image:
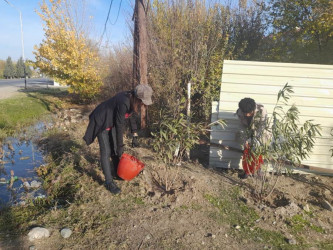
(190, 206)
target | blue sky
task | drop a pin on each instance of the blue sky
(97, 10)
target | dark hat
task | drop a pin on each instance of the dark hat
(144, 92)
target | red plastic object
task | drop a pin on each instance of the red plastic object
(129, 167)
(250, 164)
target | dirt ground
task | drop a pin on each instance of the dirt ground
(190, 206)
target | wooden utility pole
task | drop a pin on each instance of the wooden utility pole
(140, 68)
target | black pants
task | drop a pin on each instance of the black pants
(108, 147)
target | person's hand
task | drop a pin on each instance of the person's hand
(135, 142)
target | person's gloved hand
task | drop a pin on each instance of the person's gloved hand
(135, 142)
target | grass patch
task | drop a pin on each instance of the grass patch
(233, 211)
(326, 245)
(298, 224)
(19, 111)
(192, 206)
(26, 109)
(52, 98)
(241, 218)
(138, 201)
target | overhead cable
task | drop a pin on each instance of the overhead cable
(118, 13)
(107, 19)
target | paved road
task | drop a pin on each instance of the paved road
(10, 87)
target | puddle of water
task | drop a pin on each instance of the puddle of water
(18, 160)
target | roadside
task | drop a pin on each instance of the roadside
(166, 207)
(10, 88)
(9, 91)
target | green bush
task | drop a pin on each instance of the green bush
(175, 136)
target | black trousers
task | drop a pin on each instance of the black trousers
(108, 149)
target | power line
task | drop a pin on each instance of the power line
(10, 4)
(107, 19)
(117, 14)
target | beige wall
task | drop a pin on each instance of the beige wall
(313, 95)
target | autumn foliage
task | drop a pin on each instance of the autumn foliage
(65, 54)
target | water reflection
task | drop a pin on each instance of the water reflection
(18, 158)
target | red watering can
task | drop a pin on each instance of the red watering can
(129, 167)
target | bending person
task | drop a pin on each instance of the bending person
(107, 123)
(253, 118)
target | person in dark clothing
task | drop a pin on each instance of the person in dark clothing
(107, 123)
(253, 118)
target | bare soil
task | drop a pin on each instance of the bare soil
(190, 206)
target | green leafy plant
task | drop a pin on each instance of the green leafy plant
(282, 142)
(171, 140)
(176, 135)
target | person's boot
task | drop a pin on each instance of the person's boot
(244, 176)
(117, 178)
(112, 187)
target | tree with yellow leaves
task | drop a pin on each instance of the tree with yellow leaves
(64, 54)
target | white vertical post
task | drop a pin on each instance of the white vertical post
(22, 43)
(23, 57)
(188, 101)
(188, 113)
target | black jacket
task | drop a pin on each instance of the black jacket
(111, 113)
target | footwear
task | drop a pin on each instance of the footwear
(112, 187)
(244, 176)
(117, 178)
